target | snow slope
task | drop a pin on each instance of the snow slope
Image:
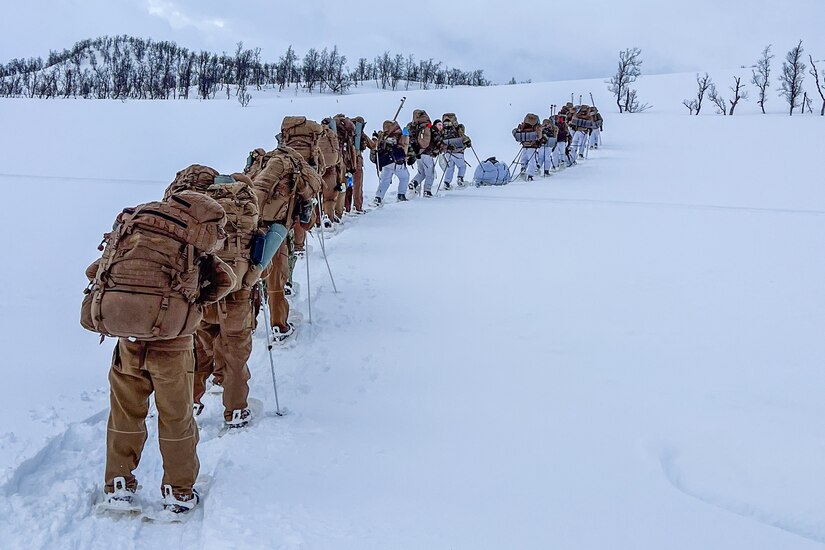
(625, 355)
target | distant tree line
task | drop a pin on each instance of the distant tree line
(126, 67)
(790, 85)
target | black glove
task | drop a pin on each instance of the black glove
(306, 211)
(340, 187)
(411, 160)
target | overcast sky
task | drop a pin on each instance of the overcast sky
(537, 39)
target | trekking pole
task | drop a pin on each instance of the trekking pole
(443, 173)
(309, 290)
(518, 155)
(398, 112)
(592, 101)
(475, 154)
(269, 349)
(324, 250)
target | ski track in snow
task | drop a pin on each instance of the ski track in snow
(681, 481)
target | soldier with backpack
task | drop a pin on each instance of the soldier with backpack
(456, 141)
(157, 273)
(355, 192)
(596, 133)
(390, 154)
(549, 132)
(346, 141)
(425, 146)
(333, 172)
(286, 188)
(529, 135)
(562, 151)
(223, 341)
(582, 122)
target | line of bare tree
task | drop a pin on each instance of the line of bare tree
(125, 67)
(790, 85)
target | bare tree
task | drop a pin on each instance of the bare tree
(739, 93)
(793, 73)
(704, 83)
(628, 71)
(761, 76)
(311, 69)
(716, 99)
(819, 87)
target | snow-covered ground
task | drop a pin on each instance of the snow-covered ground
(625, 355)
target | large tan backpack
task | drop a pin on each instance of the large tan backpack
(195, 177)
(302, 135)
(285, 175)
(237, 197)
(346, 140)
(330, 149)
(147, 284)
(420, 130)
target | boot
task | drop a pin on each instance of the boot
(288, 290)
(122, 496)
(279, 337)
(179, 504)
(447, 186)
(240, 419)
(460, 182)
(529, 178)
(376, 202)
(547, 172)
(428, 194)
(402, 197)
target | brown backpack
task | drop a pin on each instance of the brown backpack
(346, 140)
(419, 128)
(286, 174)
(302, 135)
(330, 149)
(237, 198)
(195, 177)
(530, 121)
(148, 284)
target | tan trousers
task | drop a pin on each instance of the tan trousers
(329, 192)
(138, 369)
(275, 280)
(355, 194)
(223, 344)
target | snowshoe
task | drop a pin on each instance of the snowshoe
(447, 186)
(120, 501)
(288, 290)
(179, 504)
(279, 337)
(376, 202)
(460, 182)
(529, 178)
(402, 197)
(428, 194)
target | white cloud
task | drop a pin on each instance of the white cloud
(178, 19)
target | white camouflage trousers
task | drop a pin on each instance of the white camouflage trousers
(425, 167)
(454, 160)
(546, 160)
(385, 179)
(579, 144)
(530, 160)
(596, 137)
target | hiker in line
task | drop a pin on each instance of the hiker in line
(354, 200)
(157, 273)
(390, 155)
(596, 134)
(456, 142)
(528, 134)
(424, 147)
(549, 136)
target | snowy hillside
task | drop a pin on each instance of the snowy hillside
(627, 354)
